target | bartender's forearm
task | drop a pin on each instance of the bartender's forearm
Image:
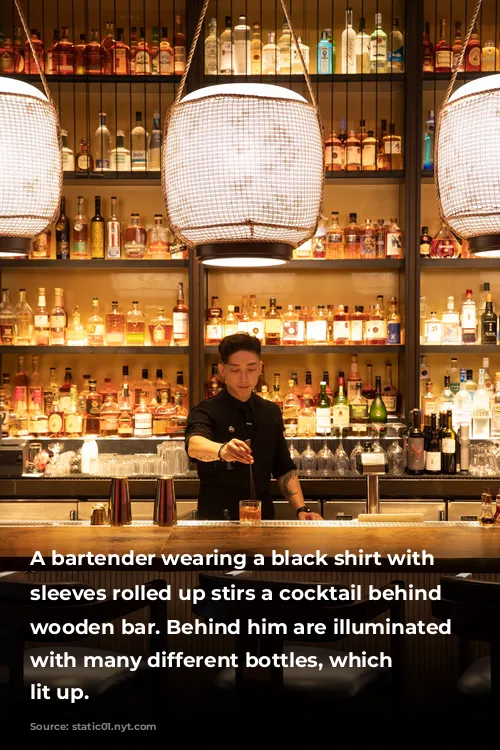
(203, 449)
(290, 487)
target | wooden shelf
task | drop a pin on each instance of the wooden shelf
(453, 349)
(380, 176)
(87, 78)
(460, 264)
(376, 78)
(326, 349)
(464, 76)
(388, 264)
(94, 350)
(92, 264)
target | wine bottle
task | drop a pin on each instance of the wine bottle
(448, 446)
(97, 231)
(378, 411)
(432, 450)
(416, 445)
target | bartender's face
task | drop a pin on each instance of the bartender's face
(241, 374)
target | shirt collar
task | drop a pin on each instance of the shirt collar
(245, 406)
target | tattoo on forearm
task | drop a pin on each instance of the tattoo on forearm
(206, 457)
(286, 480)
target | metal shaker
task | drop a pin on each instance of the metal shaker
(165, 507)
(120, 508)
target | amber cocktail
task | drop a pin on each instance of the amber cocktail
(250, 511)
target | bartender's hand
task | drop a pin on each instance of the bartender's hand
(237, 450)
(310, 517)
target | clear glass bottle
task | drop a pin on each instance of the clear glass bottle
(353, 153)
(444, 245)
(481, 423)
(392, 145)
(285, 50)
(230, 322)
(108, 417)
(255, 51)
(139, 146)
(462, 403)
(376, 328)
(212, 49)
(362, 47)
(154, 152)
(272, 325)
(73, 417)
(113, 234)
(334, 239)
(135, 329)
(7, 320)
(79, 247)
(157, 242)
(125, 415)
(433, 330)
(135, 239)
(102, 145)
(179, 47)
(120, 156)
(446, 399)
(160, 329)
(368, 245)
(348, 45)
(180, 318)
(226, 48)
(166, 55)
(120, 53)
(291, 408)
(297, 68)
(270, 56)
(256, 324)
(378, 47)
(369, 153)
(241, 48)
(115, 326)
(357, 325)
(469, 320)
(41, 321)
(23, 321)
(68, 156)
(451, 333)
(143, 420)
(394, 240)
(95, 325)
(290, 327)
(352, 239)
(58, 320)
(490, 57)
(76, 335)
(84, 159)
(334, 153)
(495, 409)
(395, 49)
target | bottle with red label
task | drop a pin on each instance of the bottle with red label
(473, 53)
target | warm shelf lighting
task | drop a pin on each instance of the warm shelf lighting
(30, 165)
(243, 173)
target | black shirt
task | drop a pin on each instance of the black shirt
(222, 484)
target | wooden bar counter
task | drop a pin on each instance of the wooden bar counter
(455, 546)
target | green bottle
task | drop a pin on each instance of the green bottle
(323, 413)
(378, 412)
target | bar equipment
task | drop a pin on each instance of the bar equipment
(165, 508)
(120, 508)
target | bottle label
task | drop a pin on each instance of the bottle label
(351, 389)
(73, 423)
(375, 329)
(359, 412)
(368, 248)
(180, 325)
(125, 423)
(79, 249)
(269, 61)
(57, 321)
(443, 58)
(211, 56)
(474, 58)
(395, 56)
(214, 332)
(143, 424)
(394, 333)
(416, 453)
(142, 63)
(256, 328)
(92, 406)
(41, 321)
(120, 61)
(290, 330)
(120, 160)
(341, 330)
(424, 249)
(340, 415)
(489, 332)
(96, 334)
(356, 330)
(353, 154)
(392, 146)
(323, 421)
(165, 58)
(62, 249)
(139, 159)
(317, 330)
(469, 317)
(160, 426)
(389, 403)
(432, 461)
(180, 59)
(55, 423)
(448, 445)
(324, 59)
(83, 162)
(35, 395)
(369, 155)
(109, 422)
(98, 239)
(378, 48)
(394, 245)
(272, 326)
(102, 164)
(334, 155)
(226, 57)
(114, 244)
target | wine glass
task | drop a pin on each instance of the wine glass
(294, 454)
(308, 462)
(325, 460)
(358, 448)
(395, 458)
(341, 461)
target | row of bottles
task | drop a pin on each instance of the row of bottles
(142, 408)
(108, 56)
(445, 56)
(368, 241)
(20, 326)
(361, 150)
(443, 245)
(240, 50)
(99, 239)
(143, 152)
(301, 325)
(473, 324)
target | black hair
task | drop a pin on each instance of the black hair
(238, 342)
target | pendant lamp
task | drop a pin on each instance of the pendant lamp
(243, 169)
(467, 159)
(30, 160)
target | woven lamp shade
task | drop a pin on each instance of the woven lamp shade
(467, 164)
(243, 172)
(30, 161)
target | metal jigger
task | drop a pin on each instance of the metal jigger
(120, 509)
(165, 510)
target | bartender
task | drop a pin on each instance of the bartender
(217, 433)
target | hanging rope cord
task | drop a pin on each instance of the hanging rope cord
(33, 52)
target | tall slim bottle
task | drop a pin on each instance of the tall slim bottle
(97, 231)
(378, 411)
(113, 234)
(180, 317)
(62, 233)
(348, 45)
(102, 145)
(378, 47)
(416, 450)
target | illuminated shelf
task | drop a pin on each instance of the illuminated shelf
(94, 350)
(92, 264)
(326, 349)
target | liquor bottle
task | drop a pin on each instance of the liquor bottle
(135, 329)
(270, 56)
(68, 157)
(454, 376)
(212, 49)
(393, 323)
(395, 50)
(325, 55)
(489, 323)
(352, 239)
(334, 154)
(65, 55)
(368, 391)
(323, 413)
(488, 380)
(133, 48)
(462, 403)
(92, 410)
(354, 378)
(120, 55)
(369, 152)
(97, 232)
(348, 45)
(179, 47)
(65, 388)
(161, 415)
(296, 61)
(362, 48)
(62, 232)
(444, 245)
(416, 448)
(154, 152)
(378, 47)
(481, 427)
(113, 233)
(120, 156)
(375, 330)
(490, 57)
(76, 335)
(378, 411)
(115, 326)
(341, 327)
(335, 239)
(284, 48)
(48, 391)
(55, 422)
(290, 327)
(272, 325)
(307, 418)
(469, 320)
(139, 145)
(125, 415)
(340, 407)
(428, 162)
(143, 420)
(142, 55)
(94, 55)
(41, 321)
(160, 329)
(103, 145)
(7, 320)
(425, 241)
(291, 408)
(457, 46)
(38, 422)
(21, 383)
(108, 418)
(392, 157)
(35, 387)
(358, 408)
(95, 325)
(182, 389)
(429, 401)
(7, 56)
(255, 51)
(80, 233)
(353, 153)
(357, 324)
(84, 159)
(157, 240)
(143, 388)
(180, 317)
(214, 385)
(166, 54)
(18, 51)
(389, 393)
(30, 64)
(473, 53)
(230, 322)
(276, 396)
(471, 384)
(226, 48)
(432, 450)
(23, 321)
(428, 51)
(160, 386)
(481, 307)
(73, 418)
(79, 56)
(446, 399)
(443, 54)
(135, 239)
(495, 409)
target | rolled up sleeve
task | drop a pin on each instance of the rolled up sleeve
(198, 423)
(282, 462)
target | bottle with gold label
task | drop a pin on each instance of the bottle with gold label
(56, 416)
(161, 415)
(160, 329)
(143, 420)
(125, 415)
(97, 226)
(92, 409)
(95, 325)
(108, 419)
(38, 424)
(291, 408)
(73, 418)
